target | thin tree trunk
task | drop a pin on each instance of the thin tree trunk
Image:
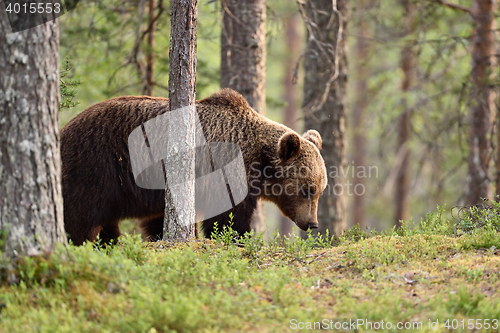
(243, 60)
(325, 100)
(483, 107)
(437, 162)
(31, 207)
(497, 191)
(359, 122)
(290, 111)
(148, 85)
(179, 200)
(404, 122)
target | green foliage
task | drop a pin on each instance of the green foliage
(131, 248)
(464, 301)
(483, 216)
(227, 235)
(487, 238)
(435, 223)
(391, 247)
(287, 247)
(68, 88)
(253, 243)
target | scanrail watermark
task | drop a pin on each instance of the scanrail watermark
(367, 324)
(303, 180)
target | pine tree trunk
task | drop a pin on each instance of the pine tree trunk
(325, 100)
(31, 207)
(483, 106)
(148, 85)
(290, 112)
(179, 200)
(359, 123)
(404, 123)
(243, 60)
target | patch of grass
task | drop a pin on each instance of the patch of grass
(483, 216)
(421, 272)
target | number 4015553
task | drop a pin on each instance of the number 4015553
(33, 8)
(472, 324)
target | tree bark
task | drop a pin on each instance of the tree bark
(243, 54)
(359, 122)
(404, 121)
(31, 207)
(325, 100)
(290, 112)
(482, 108)
(179, 199)
(148, 85)
(243, 60)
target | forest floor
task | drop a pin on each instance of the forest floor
(423, 279)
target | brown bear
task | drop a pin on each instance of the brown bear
(99, 189)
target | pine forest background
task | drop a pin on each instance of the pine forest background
(102, 40)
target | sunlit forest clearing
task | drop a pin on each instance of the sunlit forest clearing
(99, 41)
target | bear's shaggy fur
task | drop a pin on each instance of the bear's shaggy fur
(99, 188)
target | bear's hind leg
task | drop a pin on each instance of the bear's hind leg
(152, 229)
(79, 232)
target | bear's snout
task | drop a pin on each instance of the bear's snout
(312, 225)
(307, 225)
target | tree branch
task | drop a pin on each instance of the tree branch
(453, 6)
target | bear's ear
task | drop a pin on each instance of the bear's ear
(314, 137)
(289, 146)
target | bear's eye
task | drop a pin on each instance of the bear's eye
(312, 191)
(308, 192)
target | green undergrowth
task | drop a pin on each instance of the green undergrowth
(431, 271)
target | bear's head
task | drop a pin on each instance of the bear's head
(296, 177)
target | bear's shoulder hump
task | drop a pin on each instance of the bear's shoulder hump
(226, 97)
